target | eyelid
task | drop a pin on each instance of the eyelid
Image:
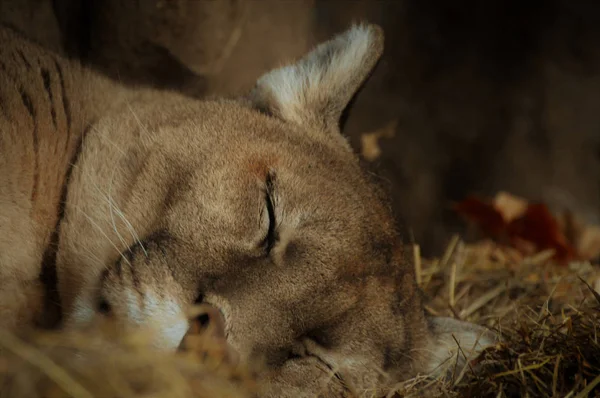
(271, 237)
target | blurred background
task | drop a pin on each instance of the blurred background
(470, 96)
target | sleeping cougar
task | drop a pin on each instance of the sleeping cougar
(147, 202)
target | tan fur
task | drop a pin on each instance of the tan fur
(168, 202)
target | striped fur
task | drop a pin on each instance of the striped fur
(45, 106)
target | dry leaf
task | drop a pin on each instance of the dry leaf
(370, 141)
(530, 228)
(483, 214)
(588, 242)
(540, 227)
(510, 206)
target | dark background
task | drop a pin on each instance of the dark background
(488, 95)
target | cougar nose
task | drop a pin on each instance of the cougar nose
(208, 320)
(206, 334)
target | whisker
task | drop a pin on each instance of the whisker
(92, 256)
(131, 230)
(137, 119)
(103, 197)
(108, 197)
(112, 204)
(103, 233)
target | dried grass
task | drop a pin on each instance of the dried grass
(547, 317)
(100, 364)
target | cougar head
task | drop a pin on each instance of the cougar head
(259, 208)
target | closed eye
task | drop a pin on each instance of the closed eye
(271, 237)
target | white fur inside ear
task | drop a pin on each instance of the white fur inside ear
(455, 342)
(324, 81)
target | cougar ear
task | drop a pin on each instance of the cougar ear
(453, 342)
(314, 91)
